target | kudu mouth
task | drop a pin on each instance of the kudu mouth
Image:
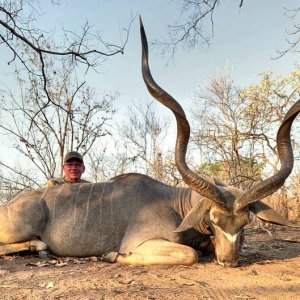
(230, 264)
(205, 188)
(229, 260)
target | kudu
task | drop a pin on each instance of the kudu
(134, 219)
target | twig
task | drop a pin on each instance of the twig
(288, 241)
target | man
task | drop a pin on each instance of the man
(73, 168)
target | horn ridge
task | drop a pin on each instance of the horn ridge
(197, 183)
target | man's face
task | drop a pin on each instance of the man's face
(73, 169)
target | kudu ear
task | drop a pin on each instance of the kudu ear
(193, 217)
(266, 213)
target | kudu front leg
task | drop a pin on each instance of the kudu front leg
(160, 252)
(34, 245)
(21, 222)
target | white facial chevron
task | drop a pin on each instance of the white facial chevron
(231, 238)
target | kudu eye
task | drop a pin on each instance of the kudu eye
(218, 217)
(242, 211)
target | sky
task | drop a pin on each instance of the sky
(245, 41)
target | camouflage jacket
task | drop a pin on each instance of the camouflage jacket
(55, 181)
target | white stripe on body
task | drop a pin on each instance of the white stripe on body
(87, 212)
(53, 213)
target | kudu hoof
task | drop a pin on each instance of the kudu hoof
(44, 254)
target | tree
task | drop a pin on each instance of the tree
(223, 134)
(20, 33)
(144, 133)
(293, 207)
(53, 111)
(73, 120)
(33, 49)
(293, 33)
(108, 160)
(236, 129)
(145, 144)
(195, 27)
(12, 183)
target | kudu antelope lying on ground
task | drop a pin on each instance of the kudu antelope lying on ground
(134, 219)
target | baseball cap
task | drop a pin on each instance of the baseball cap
(73, 154)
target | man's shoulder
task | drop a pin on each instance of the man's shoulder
(84, 181)
(60, 180)
(54, 181)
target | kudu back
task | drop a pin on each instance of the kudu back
(134, 219)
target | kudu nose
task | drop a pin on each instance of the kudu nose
(227, 263)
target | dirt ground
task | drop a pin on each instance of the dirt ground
(270, 269)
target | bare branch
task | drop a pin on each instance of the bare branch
(191, 32)
(42, 136)
(17, 33)
(293, 39)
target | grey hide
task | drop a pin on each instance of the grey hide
(103, 218)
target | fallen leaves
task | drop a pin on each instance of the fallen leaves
(61, 262)
(39, 264)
